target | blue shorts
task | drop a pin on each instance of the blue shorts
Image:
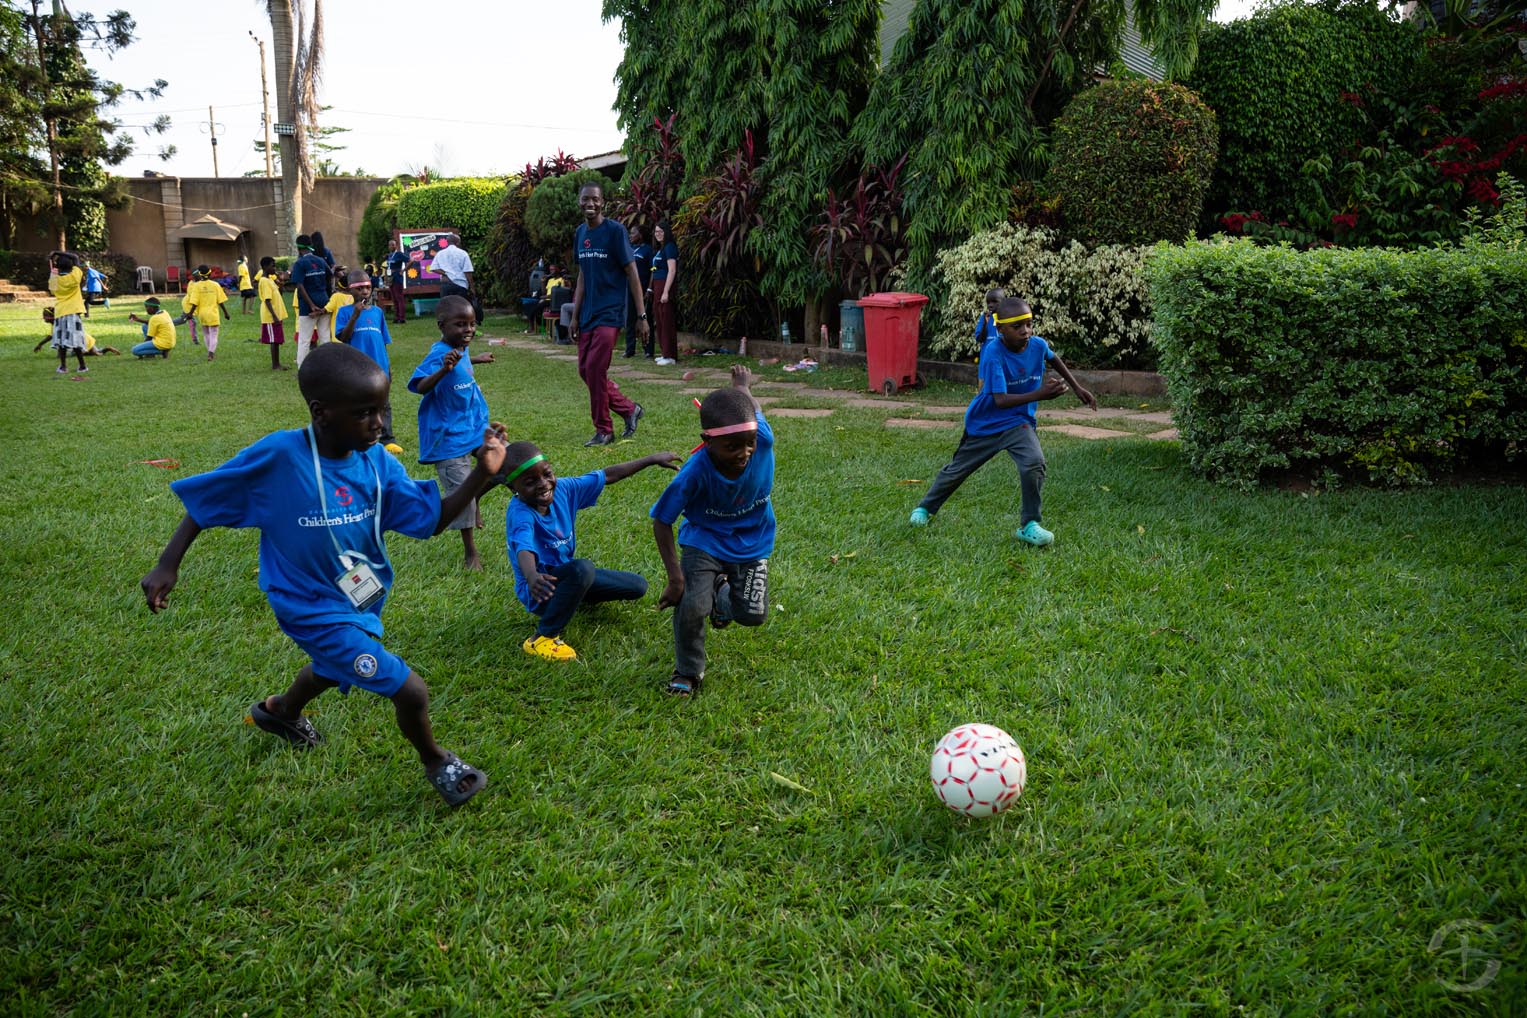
(350, 656)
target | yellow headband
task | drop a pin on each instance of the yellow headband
(1015, 318)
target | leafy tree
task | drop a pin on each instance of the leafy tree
(552, 214)
(324, 164)
(56, 107)
(298, 56)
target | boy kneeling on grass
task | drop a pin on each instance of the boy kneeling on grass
(1001, 417)
(548, 579)
(321, 497)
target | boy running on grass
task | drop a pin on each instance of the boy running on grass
(548, 579)
(723, 493)
(453, 412)
(1001, 417)
(321, 497)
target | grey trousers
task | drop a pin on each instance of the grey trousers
(722, 591)
(1019, 442)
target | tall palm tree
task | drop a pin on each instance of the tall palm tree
(299, 64)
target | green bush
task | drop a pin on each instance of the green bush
(381, 217)
(1382, 364)
(30, 268)
(509, 255)
(1287, 84)
(1131, 162)
(1091, 304)
(552, 213)
(469, 205)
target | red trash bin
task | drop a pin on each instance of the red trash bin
(891, 322)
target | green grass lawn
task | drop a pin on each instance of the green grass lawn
(1275, 741)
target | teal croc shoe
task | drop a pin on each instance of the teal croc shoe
(920, 517)
(1032, 533)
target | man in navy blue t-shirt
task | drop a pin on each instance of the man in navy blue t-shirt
(397, 264)
(606, 274)
(312, 279)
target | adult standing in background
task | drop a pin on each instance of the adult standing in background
(312, 279)
(397, 265)
(454, 265)
(606, 273)
(643, 252)
(322, 250)
(665, 273)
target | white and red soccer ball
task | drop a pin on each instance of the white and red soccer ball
(978, 770)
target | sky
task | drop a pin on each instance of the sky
(464, 95)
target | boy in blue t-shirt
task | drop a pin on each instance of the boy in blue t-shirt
(986, 325)
(1001, 417)
(728, 531)
(321, 497)
(364, 326)
(453, 412)
(539, 527)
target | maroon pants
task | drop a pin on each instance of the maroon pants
(396, 289)
(594, 349)
(663, 324)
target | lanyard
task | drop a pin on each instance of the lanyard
(347, 558)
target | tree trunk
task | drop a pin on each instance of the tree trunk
(283, 32)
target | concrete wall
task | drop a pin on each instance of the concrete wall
(161, 205)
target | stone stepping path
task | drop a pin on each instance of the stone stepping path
(1069, 421)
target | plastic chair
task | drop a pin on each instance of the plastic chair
(172, 278)
(145, 278)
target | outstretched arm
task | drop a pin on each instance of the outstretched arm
(673, 593)
(1081, 393)
(620, 471)
(428, 382)
(542, 585)
(162, 578)
(490, 460)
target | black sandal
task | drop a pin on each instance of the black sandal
(299, 733)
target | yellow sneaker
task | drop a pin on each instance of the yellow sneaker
(394, 448)
(550, 647)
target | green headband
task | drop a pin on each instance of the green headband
(517, 471)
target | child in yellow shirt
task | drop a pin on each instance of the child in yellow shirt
(66, 282)
(158, 331)
(246, 287)
(206, 298)
(272, 312)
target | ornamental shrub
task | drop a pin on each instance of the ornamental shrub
(1381, 364)
(552, 213)
(1091, 304)
(1131, 162)
(509, 255)
(1277, 82)
(468, 204)
(381, 217)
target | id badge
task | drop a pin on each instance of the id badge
(361, 586)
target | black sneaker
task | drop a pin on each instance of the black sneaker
(631, 420)
(720, 619)
(600, 438)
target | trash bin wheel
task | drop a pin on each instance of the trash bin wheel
(888, 387)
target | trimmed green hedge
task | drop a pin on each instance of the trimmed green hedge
(1132, 162)
(30, 268)
(469, 204)
(1381, 364)
(552, 213)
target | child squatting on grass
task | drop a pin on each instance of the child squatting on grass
(453, 412)
(321, 496)
(539, 525)
(723, 493)
(1001, 417)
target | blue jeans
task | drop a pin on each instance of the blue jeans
(147, 349)
(580, 582)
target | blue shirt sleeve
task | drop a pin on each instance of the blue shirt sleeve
(428, 366)
(409, 507)
(671, 503)
(993, 376)
(231, 495)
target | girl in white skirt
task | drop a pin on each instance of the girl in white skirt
(65, 283)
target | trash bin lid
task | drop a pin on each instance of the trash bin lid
(893, 300)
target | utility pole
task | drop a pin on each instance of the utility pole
(212, 130)
(265, 100)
